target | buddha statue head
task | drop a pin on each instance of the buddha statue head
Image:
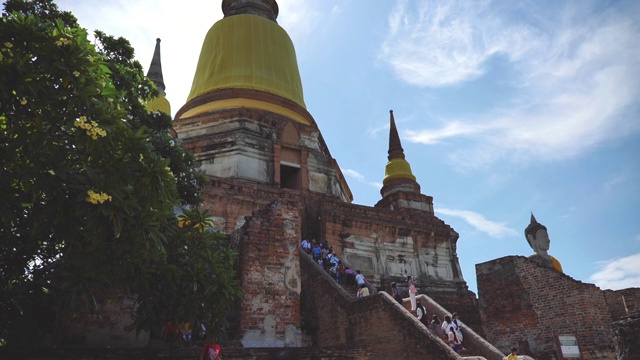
(537, 236)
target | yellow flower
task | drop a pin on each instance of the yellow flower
(80, 122)
(96, 198)
(63, 41)
(23, 101)
(93, 128)
(76, 73)
(8, 44)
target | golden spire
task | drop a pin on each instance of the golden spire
(155, 74)
(397, 167)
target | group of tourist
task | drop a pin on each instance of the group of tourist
(453, 328)
(181, 335)
(177, 335)
(450, 330)
(323, 254)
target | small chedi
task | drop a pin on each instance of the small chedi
(538, 238)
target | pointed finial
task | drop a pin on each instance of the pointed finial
(267, 9)
(395, 147)
(533, 219)
(155, 69)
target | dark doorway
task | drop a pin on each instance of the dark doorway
(290, 177)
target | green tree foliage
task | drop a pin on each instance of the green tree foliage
(89, 180)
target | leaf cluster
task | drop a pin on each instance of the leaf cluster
(89, 180)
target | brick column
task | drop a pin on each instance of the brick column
(270, 275)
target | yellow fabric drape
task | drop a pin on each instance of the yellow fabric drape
(249, 52)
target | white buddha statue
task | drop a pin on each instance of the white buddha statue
(538, 239)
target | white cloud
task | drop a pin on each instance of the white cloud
(299, 18)
(382, 128)
(575, 86)
(451, 129)
(618, 273)
(441, 43)
(357, 176)
(480, 223)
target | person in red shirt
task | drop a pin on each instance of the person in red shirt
(210, 352)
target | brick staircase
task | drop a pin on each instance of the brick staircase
(476, 347)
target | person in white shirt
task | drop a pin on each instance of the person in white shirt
(360, 278)
(306, 246)
(457, 326)
(446, 324)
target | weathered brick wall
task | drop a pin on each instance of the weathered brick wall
(376, 323)
(234, 199)
(522, 303)
(619, 308)
(627, 337)
(270, 276)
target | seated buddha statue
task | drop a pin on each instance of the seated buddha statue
(538, 239)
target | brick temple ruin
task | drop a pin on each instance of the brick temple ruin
(275, 182)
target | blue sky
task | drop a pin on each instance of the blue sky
(504, 108)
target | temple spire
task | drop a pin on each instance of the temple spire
(155, 69)
(267, 9)
(400, 190)
(395, 147)
(154, 74)
(397, 167)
